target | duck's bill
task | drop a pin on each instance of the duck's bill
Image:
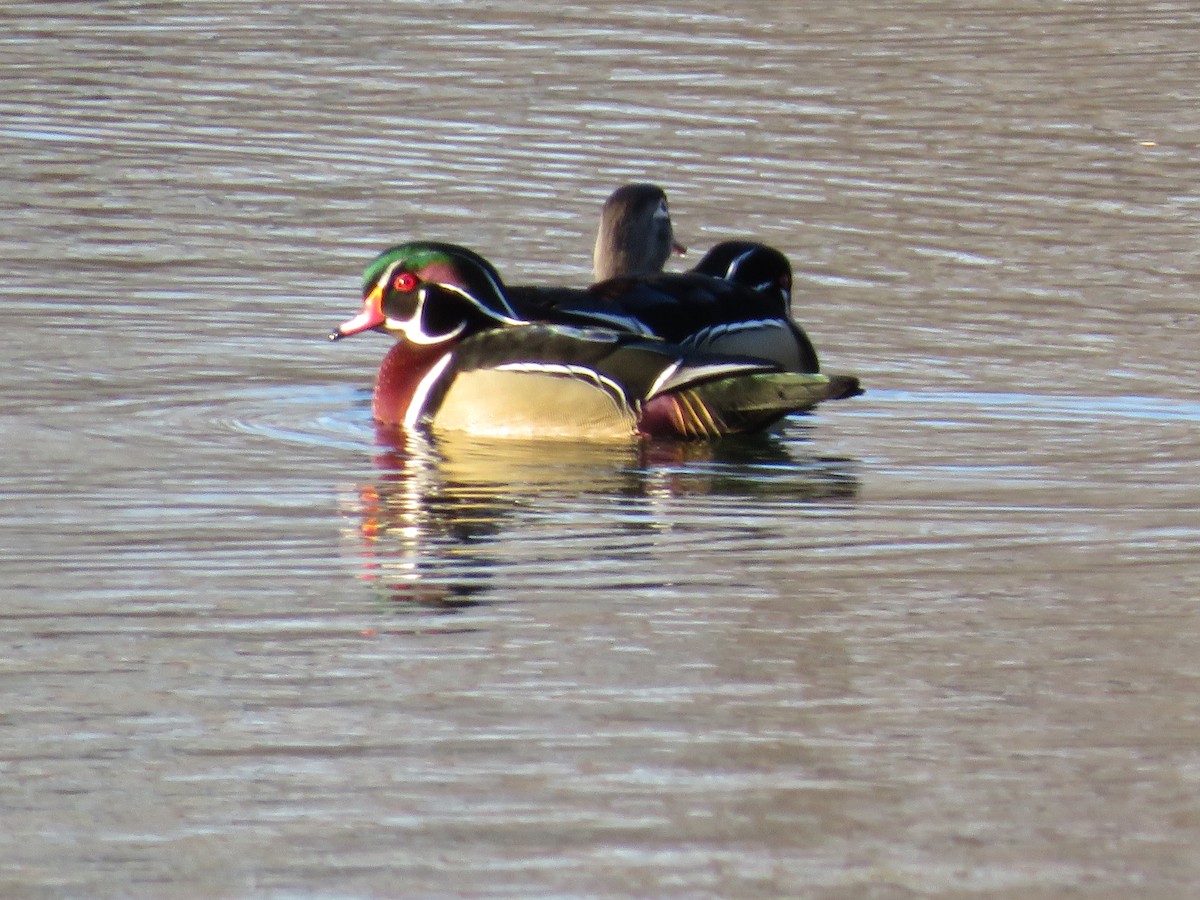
(679, 249)
(371, 317)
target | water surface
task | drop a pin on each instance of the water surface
(939, 640)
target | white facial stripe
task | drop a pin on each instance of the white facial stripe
(411, 329)
(386, 278)
(733, 266)
(515, 320)
(771, 285)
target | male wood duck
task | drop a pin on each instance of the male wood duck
(759, 267)
(466, 360)
(736, 300)
(768, 273)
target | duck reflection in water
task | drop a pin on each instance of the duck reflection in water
(447, 516)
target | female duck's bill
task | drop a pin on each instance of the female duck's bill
(465, 361)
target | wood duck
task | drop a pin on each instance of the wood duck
(467, 360)
(768, 273)
(736, 300)
(635, 236)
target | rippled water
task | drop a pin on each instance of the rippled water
(937, 640)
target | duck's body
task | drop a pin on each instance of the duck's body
(555, 381)
(690, 309)
(466, 360)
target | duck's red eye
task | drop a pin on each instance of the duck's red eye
(404, 282)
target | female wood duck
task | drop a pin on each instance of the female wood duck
(635, 236)
(466, 360)
(736, 300)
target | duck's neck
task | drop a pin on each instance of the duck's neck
(399, 379)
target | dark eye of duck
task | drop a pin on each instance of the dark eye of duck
(404, 282)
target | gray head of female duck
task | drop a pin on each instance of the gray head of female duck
(635, 236)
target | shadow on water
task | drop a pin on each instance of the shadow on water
(444, 517)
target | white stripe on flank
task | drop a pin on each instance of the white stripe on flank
(622, 323)
(707, 335)
(565, 369)
(688, 375)
(663, 377)
(412, 416)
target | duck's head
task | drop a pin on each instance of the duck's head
(750, 264)
(427, 292)
(636, 236)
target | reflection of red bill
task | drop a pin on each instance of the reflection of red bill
(371, 316)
